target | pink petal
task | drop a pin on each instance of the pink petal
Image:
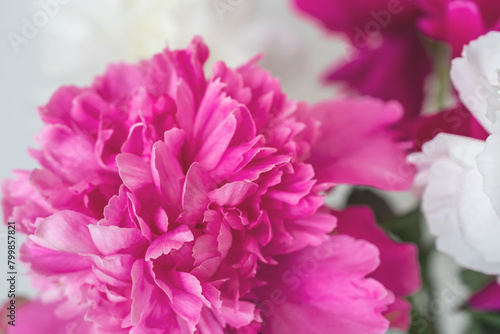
(49, 261)
(169, 241)
(184, 291)
(66, 231)
(167, 172)
(194, 197)
(400, 58)
(143, 287)
(36, 317)
(113, 239)
(214, 146)
(232, 194)
(324, 289)
(399, 268)
(399, 314)
(239, 316)
(22, 204)
(357, 146)
(185, 107)
(134, 171)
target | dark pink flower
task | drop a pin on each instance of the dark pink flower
(167, 202)
(387, 48)
(354, 18)
(457, 22)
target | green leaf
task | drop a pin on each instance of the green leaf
(475, 281)
(486, 323)
(405, 228)
(380, 207)
(420, 323)
(476, 328)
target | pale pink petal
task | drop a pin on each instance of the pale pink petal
(36, 317)
(49, 261)
(22, 204)
(112, 239)
(66, 231)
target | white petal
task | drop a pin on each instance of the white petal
(475, 75)
(462, 149)
(443, 165)
(479, 223)
(489, 162)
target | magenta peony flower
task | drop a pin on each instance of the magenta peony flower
(457, 22)
(387, 48)
(171, 203)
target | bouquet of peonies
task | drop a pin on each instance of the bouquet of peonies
(179, 193)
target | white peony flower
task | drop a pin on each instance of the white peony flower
(475, 76)
(459, 177)
(85, 36)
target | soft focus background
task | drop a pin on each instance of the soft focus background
(79, 38)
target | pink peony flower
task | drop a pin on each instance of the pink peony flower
(387, 48)
(167, 202)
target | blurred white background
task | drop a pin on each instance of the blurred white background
(19, 81)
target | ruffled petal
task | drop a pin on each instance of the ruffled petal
(444, 166)
(475, 76)
(324, 289)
